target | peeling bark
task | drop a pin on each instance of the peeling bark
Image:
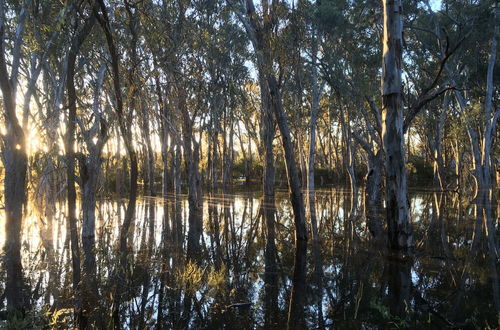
(398, 218)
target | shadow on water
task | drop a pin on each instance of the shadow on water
(233, 263)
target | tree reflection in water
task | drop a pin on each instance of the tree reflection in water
(244, 269)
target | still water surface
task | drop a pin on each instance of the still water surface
(243, 276)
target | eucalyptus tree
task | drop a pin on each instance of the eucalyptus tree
(267, 123)
(398, 217)
(475, 94)
(14, 153)
(259, 28)
(351, 74)
(316, 91)
(80, 34)
(394, 125)
(26, 57)
(124, 117)
(94, 135)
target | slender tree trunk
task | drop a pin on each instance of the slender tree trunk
(228, 155)
(267, 135)
(438, 162)
(316, 95)
(296, 196)
(127, 137)
(70, 166)
(271, 269)
(398, 218)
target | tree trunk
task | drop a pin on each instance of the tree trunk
(89, 171)
(316, 95)
(191, 159)
(127, 138)
(150, 159)
(70, 165)
(398, 218)
(296, 311)
(16, 164)
(271, 270)
(372, 194)
(295, 188)
(438, 162)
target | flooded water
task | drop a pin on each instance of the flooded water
(246, 269)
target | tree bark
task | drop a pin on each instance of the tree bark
(398, 218)
(70, 166)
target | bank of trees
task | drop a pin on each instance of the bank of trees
(178, 95)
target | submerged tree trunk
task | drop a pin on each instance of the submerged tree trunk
(296, 311)
(296, 196)
(191, 150)
(228, 154)
(318, 262)
(90, 170)
(149, 188)
(271, 268)
(349, 159)
(127, 138)
(398, 218)
(77, 42)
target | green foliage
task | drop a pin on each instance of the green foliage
(33, 319)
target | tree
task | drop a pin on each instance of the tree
(398, 217)
(15, 161)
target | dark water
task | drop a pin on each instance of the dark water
(242, 278)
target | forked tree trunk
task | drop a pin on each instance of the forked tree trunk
(70, 165)
(191, 158)
(90, 170)
(398, 218)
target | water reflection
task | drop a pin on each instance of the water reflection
(247, 271)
